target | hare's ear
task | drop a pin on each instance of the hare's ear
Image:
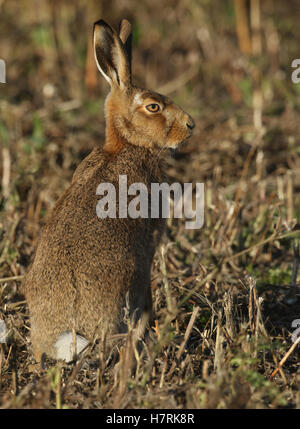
(125, 34)
(110, 55)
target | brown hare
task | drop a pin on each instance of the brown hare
(86, 269)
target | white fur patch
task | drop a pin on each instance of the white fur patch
(65, 346)
(138, 99)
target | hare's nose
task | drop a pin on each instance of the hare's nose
(190, 123)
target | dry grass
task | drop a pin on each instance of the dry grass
(224, 296)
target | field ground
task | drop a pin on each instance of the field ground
(225, 296)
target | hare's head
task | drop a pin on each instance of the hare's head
(135, 115)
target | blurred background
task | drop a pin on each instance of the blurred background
(227, 63)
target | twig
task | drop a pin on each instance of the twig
(242, 27)
(257, 99)
(285, 357)
(91, 74)
(252, 308)
(261, 243)
(296, 261)
(228, 311)
(10, 279)
(186, 337)
(290, 196)
(187, 332)
(6, 172)
(255, 20)
(218, 344)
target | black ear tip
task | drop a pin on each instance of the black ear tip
(101, 23)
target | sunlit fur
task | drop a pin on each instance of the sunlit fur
(127, 120)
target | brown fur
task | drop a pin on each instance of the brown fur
(84, 266)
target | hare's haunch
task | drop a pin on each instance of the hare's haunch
(86, 267)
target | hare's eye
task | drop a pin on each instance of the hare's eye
(153, 107)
